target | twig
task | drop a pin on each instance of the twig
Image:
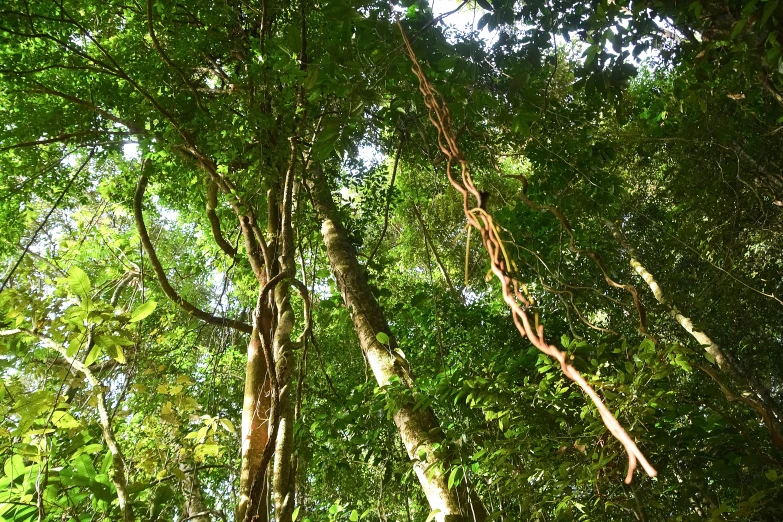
(46, 220)
(388, 203)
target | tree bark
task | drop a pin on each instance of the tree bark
(255, 429)
(418, 428)
(752, 392)
(195, 509)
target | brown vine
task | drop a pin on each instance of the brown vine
(483, 221)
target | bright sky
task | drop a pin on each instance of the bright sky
(466, 18)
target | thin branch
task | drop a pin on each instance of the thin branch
(428, 240)
(160, 273)
(388, 203)
(46, 220)
(597, 260)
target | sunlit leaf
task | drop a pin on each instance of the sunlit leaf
(79, 282)
(143, 311)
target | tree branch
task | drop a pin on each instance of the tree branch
(166, 58)
(46, 220)
(131, 126)
(62, 138)
(161, 274)
(214, 221)
(118, 460)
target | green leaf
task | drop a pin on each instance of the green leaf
(452, 477)
(14, 466)
(590, 54)
(93, 355)
(484, 20)
(382, 338)
(162, 496)
(295, 514)
(696, 8)
(79, 282)
(91, 448)
(116, 353)
(73, 345)
(769, 8)
(738, 27)
(64, 420)
(83, 466)
(143, 311)
(354, 517)
(311, 80)
(749, 7)
(101, 488)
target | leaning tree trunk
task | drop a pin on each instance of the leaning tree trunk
(752, 392)
(418, 428)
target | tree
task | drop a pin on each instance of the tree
(197, 227)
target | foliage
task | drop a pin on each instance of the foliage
(660, 117)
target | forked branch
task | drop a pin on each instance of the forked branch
(160, 273)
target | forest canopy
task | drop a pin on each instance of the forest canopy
(397, 261)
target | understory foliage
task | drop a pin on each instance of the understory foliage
(599, 132)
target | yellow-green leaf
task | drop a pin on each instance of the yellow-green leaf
(143, 311)
(78, 281)
(432, 515)
(94, 354)
(228, 425)
(14, 466)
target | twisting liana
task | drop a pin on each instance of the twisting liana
(482, 221)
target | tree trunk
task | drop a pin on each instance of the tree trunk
(418, 428)
(195, 509)
(752, 392)
(255, 429)
(285, 358)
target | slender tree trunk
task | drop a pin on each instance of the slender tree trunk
(195, 509)
(418, 428)
(752, 392)
(117, 472)
(285, 358)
